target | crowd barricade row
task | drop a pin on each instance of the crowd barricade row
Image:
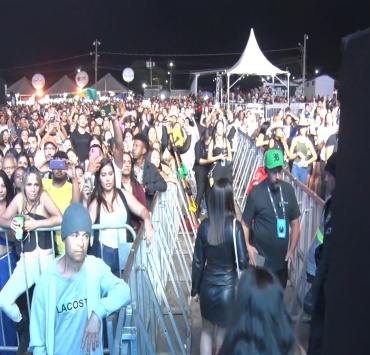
(159, 276)
(246, 161)
(272, 110)
(267, 111)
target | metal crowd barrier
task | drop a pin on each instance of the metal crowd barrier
(258, 109)
(266, 111)
(272, 110)
(124, 249)
(159, 276)
(247, 159)
(245, 162)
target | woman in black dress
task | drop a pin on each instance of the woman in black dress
(202, 166)
(214, 273)
(219, 152)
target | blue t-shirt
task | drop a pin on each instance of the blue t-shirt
(71, 313)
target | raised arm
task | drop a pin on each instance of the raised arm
(118, 142)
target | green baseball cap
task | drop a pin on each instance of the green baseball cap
(274, 158)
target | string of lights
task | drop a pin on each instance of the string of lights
(193, 55)
(138, 55)
(45, 63)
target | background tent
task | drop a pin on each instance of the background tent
(64, 86)
(253, 62)
(109, 83)
(22, 87)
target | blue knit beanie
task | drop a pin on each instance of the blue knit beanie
(76, 218)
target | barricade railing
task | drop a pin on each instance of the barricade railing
(267, 111)
(152, 322)
(272, 110)
(258, 109)
(7, 268)
(248, 159)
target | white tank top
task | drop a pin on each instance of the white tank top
(112, 237)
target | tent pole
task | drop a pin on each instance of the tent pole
(228, 91)
(288, 76)
(196, 85)
(273, 89)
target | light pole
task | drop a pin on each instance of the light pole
(171, 66)
(150, 65)
(96, 44)
(305, 38)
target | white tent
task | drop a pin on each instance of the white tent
(22, 87)
(253, 62)
(109, 83)
(62, 86)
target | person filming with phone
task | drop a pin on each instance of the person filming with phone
(62, 187)
(271, 220)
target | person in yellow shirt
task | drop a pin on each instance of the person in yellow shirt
(62, 192)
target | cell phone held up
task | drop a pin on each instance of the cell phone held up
(57, 164)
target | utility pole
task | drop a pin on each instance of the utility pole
(150, 65)
(171, 66)
(96, 44)
(305, 38)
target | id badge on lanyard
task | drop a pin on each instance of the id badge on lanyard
(281, 228)
(280, 222)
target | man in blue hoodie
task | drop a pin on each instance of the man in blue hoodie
(74, 294)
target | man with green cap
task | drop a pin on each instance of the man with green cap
(271, 220)
(74, 294)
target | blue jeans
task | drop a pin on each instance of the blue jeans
(300, 173)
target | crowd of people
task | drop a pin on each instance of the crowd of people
(54, 156)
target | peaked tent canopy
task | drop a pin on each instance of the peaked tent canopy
(64, 86)
(109, 83)
(253, 61)
(22, 87)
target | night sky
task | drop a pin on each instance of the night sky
(35, 32)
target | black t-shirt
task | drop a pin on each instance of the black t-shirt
(67, 127)
(81, 144)
(332, 141)
(259, 207)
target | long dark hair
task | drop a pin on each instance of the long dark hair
(264, 126)
(260, 323)
(24, 154)
(206, 134)
(20, 142)
(215, 130)
(132, 174)
(8, 186)
(221, 205)
(98, 191)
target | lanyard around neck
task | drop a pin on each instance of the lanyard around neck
(273, 204)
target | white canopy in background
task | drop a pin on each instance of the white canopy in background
(253, 62)
(109, 83)
(64, 85)
(22, 87)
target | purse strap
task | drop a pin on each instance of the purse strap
(235, 250)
